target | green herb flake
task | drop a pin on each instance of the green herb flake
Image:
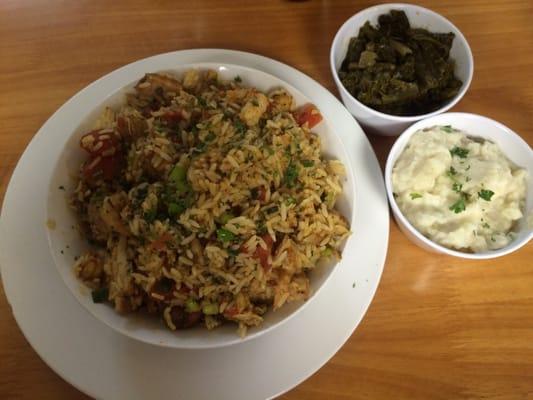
(447, 128)
(100, 295)
(210, 137)
(291, 175)
(210, 309)
(240, 127)
(290, 200)
(175, 209)
(254, 193)
(255, 103)
(486, 225)
(178, 174)
(192, 305)
(150, 215)
(237, 79)
(460, 152)
(233, 252)
(272, 210)
(224, 218)
(308, 163)
(485, 194)
(224, 235)
(202, 102)
(458, 206)
(457, 187)
(415, 195)
(451, 172)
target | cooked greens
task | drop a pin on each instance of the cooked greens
(400, 70)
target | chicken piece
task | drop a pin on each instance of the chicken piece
(280, 101)
(151, 84)
(121, 288)
(110, 212)
(191, 78)
(131, 125)
(90, 270)
(254, 109)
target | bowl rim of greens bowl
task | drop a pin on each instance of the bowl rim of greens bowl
(350, 28)
(516, 149)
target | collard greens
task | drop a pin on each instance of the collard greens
(400, 70)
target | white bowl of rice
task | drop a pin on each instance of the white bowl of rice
(203, 211)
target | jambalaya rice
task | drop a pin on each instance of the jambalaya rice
(205, 201)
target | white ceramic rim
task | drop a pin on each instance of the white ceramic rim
(398, 118)
(114, 366)
(395, 152)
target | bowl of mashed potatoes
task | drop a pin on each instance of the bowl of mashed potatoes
(462, 184)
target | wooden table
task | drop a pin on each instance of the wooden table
(438, 328)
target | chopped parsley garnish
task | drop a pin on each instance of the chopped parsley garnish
(202, 102)
(100, 295)
(458, 206)
(485, 194)
(460, 152)
(290, 200)
(200, 148)
(415, 195)
(210, 137)
(224, 235)
(272, 210)
(457, 187)
(447, 128)
(308, 163)
(239, 127)
(291, 175)
(150, 215)
(485, 225)
(175, 209)
(254, 192)
(178, 174)
(233, 252)
(451, 172)
(237, 79)
(224, 218)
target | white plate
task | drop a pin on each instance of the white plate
(106, 364)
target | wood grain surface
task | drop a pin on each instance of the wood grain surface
(439, 327)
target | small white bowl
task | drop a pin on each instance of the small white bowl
(387, 124)
(512, 145)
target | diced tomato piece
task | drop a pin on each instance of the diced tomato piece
(104, 167)
(263, 254)
(261, 193)
(173, 117)
(309, 114)
(161, 242)
(231, 311)
(100, 142)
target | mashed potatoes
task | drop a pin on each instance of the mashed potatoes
(458, 191)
